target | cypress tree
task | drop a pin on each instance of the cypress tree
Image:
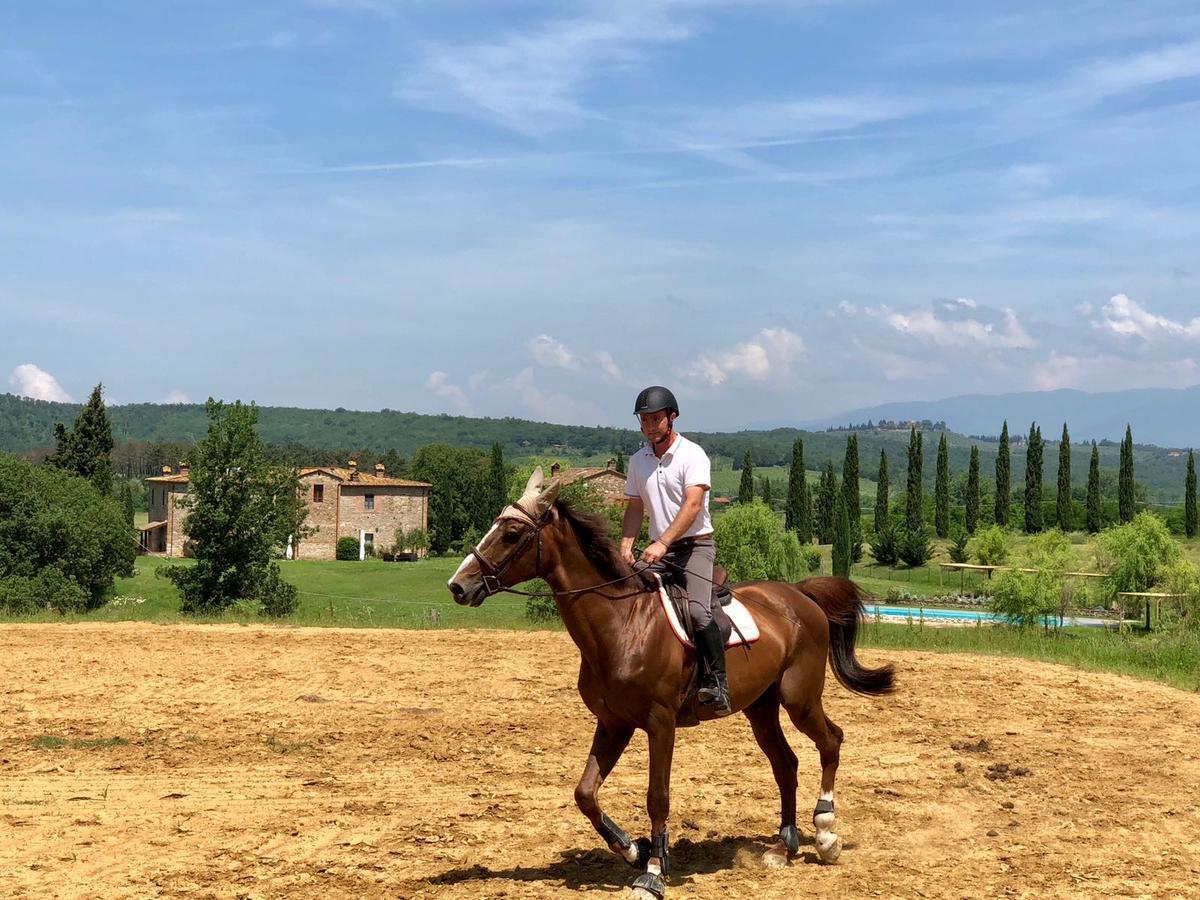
(841, 537)
(497, 481)
(1189, 497)
(1003, 479)
(915, 513)
(746, 488)
(1063, 507)
(621, 462)
(791, 511)
(851, 493)
(881, 494)
(127, 501)
(765, 491)
(941, 491)
(1093, 492)
(86, 450)
(1125, 482)
(826, 502)
(1033, 481)
(973, 491)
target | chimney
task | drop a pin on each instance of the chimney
(183, 468)
(353, 470)
(379, 470)
(554, 467)
(167, 470)
(612, 463)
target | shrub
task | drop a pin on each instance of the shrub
(347, 548)
(61, 542)
(915, 548)
(958, 547)
(990, 546)
(885, 547)
(277, 597)
(810, 558)
(1137, 557)
(753, 544)
(541, 606)
(1025, 597)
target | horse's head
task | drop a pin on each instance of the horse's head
(511, 551)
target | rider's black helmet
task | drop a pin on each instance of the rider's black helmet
(654, 398)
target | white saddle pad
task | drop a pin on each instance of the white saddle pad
(742, 620)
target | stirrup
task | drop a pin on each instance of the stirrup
(715, 697)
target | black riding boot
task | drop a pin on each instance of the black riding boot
(714, 685)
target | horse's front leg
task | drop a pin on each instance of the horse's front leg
(661, 732)
(608, 744)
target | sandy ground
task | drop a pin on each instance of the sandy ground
(320, 763)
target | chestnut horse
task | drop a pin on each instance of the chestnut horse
(635, 674)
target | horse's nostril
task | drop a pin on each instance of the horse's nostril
(456, 589)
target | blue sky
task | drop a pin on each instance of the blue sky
(780, 209)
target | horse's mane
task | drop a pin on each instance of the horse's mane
(595, 539)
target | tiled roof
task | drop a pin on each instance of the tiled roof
(586, 473)
(169, 479)
(364, 477)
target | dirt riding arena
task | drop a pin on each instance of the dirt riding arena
(263, 762)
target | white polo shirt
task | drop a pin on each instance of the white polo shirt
(660, 484)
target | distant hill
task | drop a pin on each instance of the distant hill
(1167, 417)
(27, 425)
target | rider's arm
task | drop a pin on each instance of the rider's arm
(631, 526)
(693, 501)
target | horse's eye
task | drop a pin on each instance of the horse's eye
(509, 535)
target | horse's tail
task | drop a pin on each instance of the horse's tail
(842, 602)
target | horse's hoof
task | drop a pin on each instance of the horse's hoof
(829, 846)
(648, 887)
(638, 893)
(776, 857)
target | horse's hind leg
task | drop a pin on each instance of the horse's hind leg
(764, 720)
(828, 738)
(607, 746)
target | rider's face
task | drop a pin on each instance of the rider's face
(656, 425)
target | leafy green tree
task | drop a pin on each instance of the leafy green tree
(765, 491)
(914, 498)
(841, 537)
(1093, 492)
(958, 546)
(86, 450)
(941, 493)
(746, 488)
(990, 545)
(1125, 490)
(881, 494)
(798, 512)
(1189, 497)
(1003, 479)
(621, 462)
(972, 499)
(914, 548)
(850, 491)
(1062, 508)
(753, 544)
(826, 500)
(1028, 597)
(241, 512)
(1033, 481)
(460, 496)
(62, 542)
(497, 480)
(885, 545)
(1137, 556)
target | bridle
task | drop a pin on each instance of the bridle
(491, 572)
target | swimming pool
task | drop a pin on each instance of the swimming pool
(960, 615)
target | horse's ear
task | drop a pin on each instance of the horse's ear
(534, 485)
(546, 498)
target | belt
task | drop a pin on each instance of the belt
(685, 542)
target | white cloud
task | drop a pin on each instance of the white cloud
(769, 356)
(551, 353)
(942, 327)
(609, 370)
(1102, 371)
(439, 385)
(176, 397)
(1127, 318)
(30, 381)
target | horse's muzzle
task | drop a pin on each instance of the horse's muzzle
(467, 597)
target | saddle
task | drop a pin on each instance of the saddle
(674, 584)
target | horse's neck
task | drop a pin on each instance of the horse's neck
(598, 621)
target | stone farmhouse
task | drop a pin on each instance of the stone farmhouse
(342, 502)
(605, 479)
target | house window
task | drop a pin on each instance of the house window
(368, 501)
(318, 493)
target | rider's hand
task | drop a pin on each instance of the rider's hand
(627, 554)
(656, 551)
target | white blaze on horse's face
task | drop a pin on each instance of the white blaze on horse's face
(470, 557)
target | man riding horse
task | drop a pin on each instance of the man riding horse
(669, 480)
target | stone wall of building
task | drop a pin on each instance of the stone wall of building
(323, 517)
(397, 509)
